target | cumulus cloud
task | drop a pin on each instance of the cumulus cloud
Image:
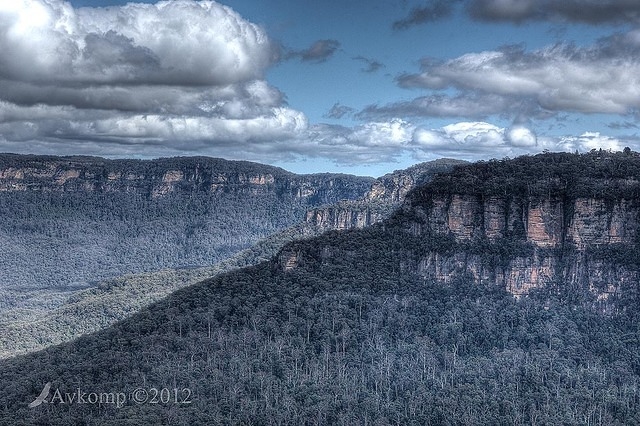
(172, 78)
(171, 42)
(602, 78)
(592, 140)
(521, 136)
(462, 137)
(187, 77)
(481, 140)
(154, 79)
(474, 140)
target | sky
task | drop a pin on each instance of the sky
(362, 87)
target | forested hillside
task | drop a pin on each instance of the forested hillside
(69, 222)
(343, 328)
(50, 317)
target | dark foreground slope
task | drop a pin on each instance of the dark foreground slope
(343, 329)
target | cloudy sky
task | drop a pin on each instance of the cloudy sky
(355, 86)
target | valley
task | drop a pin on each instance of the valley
(350, 326)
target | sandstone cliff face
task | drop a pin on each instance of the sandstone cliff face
(554, 221)
(563, 235)
(342, 216)
(546, 222)
(386, 194)
(394, 187)
(159, 178)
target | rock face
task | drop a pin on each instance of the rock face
(386, 194)
(345, 215)
(559, 235)
(554, 221)
(562, 235)
(157, 178)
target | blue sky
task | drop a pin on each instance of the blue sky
(361, 87)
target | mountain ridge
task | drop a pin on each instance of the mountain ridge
(351, 331)
(114, 299)
(70, 222)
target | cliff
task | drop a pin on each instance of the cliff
(70, 221)
(565, 236)
(574, 221)
(551, 222)
(385, 195)
(402, 320)
(158, 178)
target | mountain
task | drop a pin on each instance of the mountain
(348, 327)
(536, 222)
(40, 323)
(70, 222)
(386, 194)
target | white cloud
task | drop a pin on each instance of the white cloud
(176, 77)
(592, 140)
(475, 140)
(396, 132)
(602, 78)
(187, 77)
(171, 42)
(463, 137)
(521, 136)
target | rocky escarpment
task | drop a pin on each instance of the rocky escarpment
(394, 187)
(553, 221)
(70, 220)
(347, 215)
(385, 195)
(576, 222)
(565, 236)
(158, 178)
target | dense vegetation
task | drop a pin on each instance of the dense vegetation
(598, 174)
(74, 221)
(349, 333)
(72, 236)
(346, 337)
(45, 317)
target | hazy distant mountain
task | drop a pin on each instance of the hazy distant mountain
(410, 321)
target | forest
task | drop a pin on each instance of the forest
(34, 318)
(59, 235)
(349, 333)
(68, 223)
(347, 337)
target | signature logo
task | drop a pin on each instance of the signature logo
(42, 397)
